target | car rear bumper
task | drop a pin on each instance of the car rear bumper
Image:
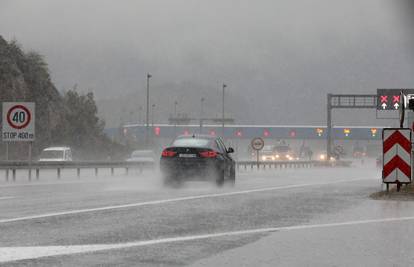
(190, 169)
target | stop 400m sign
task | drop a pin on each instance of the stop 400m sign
(18, 121)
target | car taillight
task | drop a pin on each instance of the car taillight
(208, 154)
(168, 153)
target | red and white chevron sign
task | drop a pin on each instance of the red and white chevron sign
(397, 155)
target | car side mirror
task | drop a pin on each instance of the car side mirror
(230, 150)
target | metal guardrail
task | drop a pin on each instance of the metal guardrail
(13, 166)
(290, 164)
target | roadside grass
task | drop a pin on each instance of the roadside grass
(406, 193)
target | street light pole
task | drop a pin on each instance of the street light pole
(201, 114)
(140, 115)
(175, 118)
(222, 126)
(147, 115)
(152, 115)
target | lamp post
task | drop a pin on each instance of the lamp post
(140, 115)
(153, 114)
(175, 109)
(222, 125)
(201, 114)
(147, 115)
(175, 118)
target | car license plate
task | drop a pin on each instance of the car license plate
(188, 155)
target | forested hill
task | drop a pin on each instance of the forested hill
(61, 119)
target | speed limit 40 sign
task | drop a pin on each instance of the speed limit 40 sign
(18, 121)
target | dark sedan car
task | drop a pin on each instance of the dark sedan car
(197, 157)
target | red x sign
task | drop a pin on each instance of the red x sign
(384, 98)
(395, 98)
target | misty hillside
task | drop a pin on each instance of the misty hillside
(68, 118)
(25, 77)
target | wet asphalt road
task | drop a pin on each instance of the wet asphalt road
(134, 221)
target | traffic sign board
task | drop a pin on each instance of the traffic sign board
(396, 155)
(18, 121)
(257, 143)
(390, 99)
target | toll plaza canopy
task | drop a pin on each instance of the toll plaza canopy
(252, 131)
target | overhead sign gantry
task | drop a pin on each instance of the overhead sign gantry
(389, 99)
(345, 102)
(385, 99)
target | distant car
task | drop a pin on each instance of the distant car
(267, 153)
(284, 152)
(56, 154)
(358, 152)
(197, 157)
(145, 156)
(321, 156)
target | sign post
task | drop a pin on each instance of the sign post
(396, 156)
(18, 124)
(257, 144)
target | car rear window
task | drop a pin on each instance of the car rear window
(191, 142)
(267, 149)
(282, 148)
(51, 154)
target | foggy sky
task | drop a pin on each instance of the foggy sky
(279, 58)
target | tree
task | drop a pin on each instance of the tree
(70, 119)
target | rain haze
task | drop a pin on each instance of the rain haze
(197, 133)
(279, 58)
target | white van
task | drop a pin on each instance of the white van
(56, 154)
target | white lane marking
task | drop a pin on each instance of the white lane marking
(24, 253)
(51, 183)
(4, 198)
(164, 201)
